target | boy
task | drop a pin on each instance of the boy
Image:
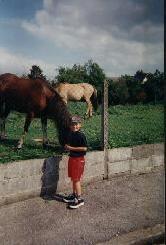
(77, 147)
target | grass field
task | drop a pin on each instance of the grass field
(128, 125)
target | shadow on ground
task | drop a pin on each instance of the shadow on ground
(50, 178)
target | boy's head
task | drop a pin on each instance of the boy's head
(75, 123)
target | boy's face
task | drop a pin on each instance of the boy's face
(75, 127)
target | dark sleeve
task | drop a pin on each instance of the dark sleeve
(84, 140)
(68, 140)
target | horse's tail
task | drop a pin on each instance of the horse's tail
(94, 99)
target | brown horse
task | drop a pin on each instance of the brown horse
(35, 98)
(78, 92)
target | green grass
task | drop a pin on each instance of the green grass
(134, 125)
(128, 125)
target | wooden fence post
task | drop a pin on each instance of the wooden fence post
(105, 127)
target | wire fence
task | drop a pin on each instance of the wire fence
(109, 127)
(114, 126)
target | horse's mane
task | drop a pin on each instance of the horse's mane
(46, 83)
(62, 117)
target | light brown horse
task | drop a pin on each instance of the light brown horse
(78, 92)
(35, 98)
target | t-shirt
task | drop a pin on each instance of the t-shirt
(77, 139)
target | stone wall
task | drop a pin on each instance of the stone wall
(136, 159)
(25, 179)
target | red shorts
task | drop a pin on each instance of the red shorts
(76, 167)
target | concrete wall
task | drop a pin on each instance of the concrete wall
(142, 158)
(25, 179)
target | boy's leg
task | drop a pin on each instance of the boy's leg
(78, 200)
(74, 188)
(77, 187)
(72, 196)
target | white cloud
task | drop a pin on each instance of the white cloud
(80, 28)
(18, 64)
(121, 38)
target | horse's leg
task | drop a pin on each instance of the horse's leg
(2, 128)
(64, 100)
(3, 115)
(89, 109)
(28, 120)
(44, 129)
(3, 134)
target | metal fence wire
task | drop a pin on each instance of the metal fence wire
(111, 126)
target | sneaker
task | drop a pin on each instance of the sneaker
(70, 198)
(77, 203)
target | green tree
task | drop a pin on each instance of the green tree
(118, 92)
(90, 72)
(36, 72)
(154, 86)
(139, 75)
(76, 74)
(94, 74)
(135, 86)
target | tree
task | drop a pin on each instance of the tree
(36, 72)
(94, 74)
(139, 75)
(135, 86)
(90, 72)
(154, 87)
(76, 74)
(118, 92)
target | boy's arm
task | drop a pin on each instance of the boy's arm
(73, 148)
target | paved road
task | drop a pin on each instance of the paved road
(112, 207)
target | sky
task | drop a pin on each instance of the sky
(121, 36)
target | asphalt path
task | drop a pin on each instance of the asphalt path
(112, 208)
